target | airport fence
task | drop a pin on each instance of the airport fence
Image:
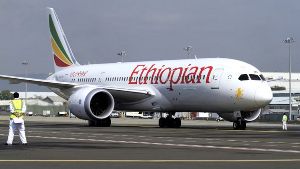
(38, 110)
(278, 117)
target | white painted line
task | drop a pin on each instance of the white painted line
(124, 135)
(295, 143)
(97, 134)
(176, 145)
(231, 140)
(54, 132)
(212, 139)
(270, 145)
(271, 142)
(295, 146)
(142, 136)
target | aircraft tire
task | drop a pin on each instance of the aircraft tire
(243, 126)
(236, 125)
(91, 123)
(162, 122)
(177, 122)
(170, 122)
(107, 122)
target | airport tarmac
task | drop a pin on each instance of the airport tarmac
(139, 143)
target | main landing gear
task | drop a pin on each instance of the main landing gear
(169, 121)
(100, 123)
(239, 124)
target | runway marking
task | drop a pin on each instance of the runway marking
(190, 141)
(156, 161)
(295, 143)
(231, 140)
(176, 145)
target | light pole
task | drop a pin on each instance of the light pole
(290, 40)
(122, 54)
(26, 64)
(188, 50)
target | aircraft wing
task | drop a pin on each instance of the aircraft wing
(40, 82)
(121, 94)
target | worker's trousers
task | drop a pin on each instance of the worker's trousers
(284, 127)
(12, 128)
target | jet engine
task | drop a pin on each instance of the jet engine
(91, 103)
(246, 116)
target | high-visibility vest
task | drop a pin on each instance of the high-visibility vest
(284, 118)
(17, 106)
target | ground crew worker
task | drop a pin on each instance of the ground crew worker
(284, 119)
(17, 110)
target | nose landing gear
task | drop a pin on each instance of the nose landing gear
(239, 124)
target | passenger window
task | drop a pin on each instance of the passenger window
(243, 77)
(262, 77)
(254, 77)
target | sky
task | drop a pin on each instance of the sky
(248, 30)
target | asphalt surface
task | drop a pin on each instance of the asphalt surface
(137, 143)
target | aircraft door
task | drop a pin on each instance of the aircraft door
(216, 78)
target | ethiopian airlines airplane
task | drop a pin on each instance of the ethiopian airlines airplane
(237, 91)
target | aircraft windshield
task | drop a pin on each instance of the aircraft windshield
(262, 77)
(254, 77)
(243, 77)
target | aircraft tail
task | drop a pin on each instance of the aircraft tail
(62, 54)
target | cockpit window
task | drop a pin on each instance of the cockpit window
(243, 77)
(262, 77)
(254, 77)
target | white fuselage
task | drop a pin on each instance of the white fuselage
(210, 85)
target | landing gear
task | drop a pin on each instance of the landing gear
(170, 122)
(239, 125)
(100, 123)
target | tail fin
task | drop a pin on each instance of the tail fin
(62, 53)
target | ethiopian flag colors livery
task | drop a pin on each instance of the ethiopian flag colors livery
(62, 53)
(236, 90)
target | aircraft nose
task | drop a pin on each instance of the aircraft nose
(263, 95)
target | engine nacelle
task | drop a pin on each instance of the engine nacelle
(91, 103)
(247, 116)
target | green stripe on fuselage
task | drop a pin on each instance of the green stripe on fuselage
(56, 37)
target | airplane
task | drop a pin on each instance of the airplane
(236, 90)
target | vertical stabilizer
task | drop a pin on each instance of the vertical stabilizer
(62, 54)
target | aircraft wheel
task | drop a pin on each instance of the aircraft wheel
(243, 126)
(91, 123)
(177, 122)
(162, 122)
(107, 122)
(236, 125)
(170, 122)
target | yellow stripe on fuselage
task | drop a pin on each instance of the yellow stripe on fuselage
(58, 52)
